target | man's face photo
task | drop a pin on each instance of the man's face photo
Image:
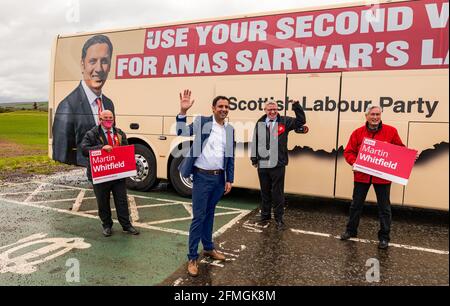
(96, 66)
(221, 109)
(271, 110)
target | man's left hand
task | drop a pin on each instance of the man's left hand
(228, 186)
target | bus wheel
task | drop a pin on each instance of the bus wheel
(183, 186)
(146, 169)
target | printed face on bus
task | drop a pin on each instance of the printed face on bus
(271, 110)
(374, 117)
(95, 66)
(221, 109)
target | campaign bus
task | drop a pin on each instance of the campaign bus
(334, 60)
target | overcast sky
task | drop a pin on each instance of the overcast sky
(27, 29)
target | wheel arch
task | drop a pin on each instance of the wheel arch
(171, 157)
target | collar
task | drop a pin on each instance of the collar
(105, 130)
(266, 118)
(89, 93)
(376, 129)
(215, 122)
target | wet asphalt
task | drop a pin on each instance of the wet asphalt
(309, 253)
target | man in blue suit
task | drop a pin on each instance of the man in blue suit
(211, 162)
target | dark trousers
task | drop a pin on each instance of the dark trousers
(271, 181)
(103, 194)
(206, 193)
(384, 208)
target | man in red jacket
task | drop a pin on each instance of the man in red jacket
(374, 129)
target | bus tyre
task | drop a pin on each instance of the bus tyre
(146, 169)
(183, 186)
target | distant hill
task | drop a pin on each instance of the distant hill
(42, 106)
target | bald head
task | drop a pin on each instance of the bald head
(106, 119)
(106, 114)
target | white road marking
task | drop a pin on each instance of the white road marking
(229, 254)
(63, 186)
(27, 192)
(35, 192)
(52, 248)
(310, 233)
(212, 263)
(23, 240)
(233, 221)
(60, 200)
(76, 206)
(188, 208)
(134, 214)
(395, 245)
(241, 212)
(178, 282)
(161, 229)
(189, 218)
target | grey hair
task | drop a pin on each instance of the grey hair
(372, 106)
(267, 103)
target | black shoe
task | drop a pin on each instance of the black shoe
(131, 230)
(281, 226)
(383, 245)
(347, 236)
(107, 231)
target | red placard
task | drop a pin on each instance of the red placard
(388, 36)
(117, 164)
(385, 160)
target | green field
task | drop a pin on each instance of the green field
(23, 144)
(26, 128)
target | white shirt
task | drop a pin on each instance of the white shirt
(213, 153)
(270, 124)
(92, 97)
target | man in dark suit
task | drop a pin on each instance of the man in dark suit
(79, 111)
(211, 162)
(270, 157)
(106, 137)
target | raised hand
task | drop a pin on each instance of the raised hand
(185, 101)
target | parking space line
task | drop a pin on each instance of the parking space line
(161, 229)
(188, 208)
(64, 186)
(189, 218)
(76, 206)
(27, 192)
(86, 214)
(233, 221)
(35, 192)
(134, 214)
(367, 241)
(60, 200)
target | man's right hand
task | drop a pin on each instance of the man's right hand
(107, 148)
(185, 102)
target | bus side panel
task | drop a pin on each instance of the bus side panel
(313, 155)
(428, 184)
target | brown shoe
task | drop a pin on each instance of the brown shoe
(214, 255)
(193, 268)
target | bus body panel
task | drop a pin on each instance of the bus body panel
(416, 102)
